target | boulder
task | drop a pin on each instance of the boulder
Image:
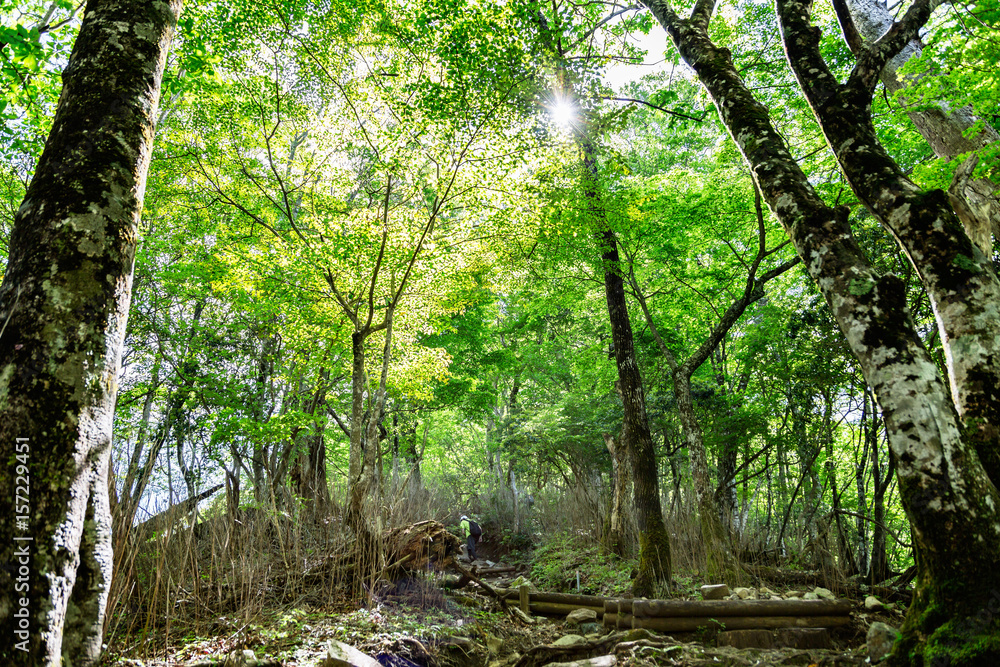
(569, 641)
(600, 661)
(339, 654)
(714, 591)
(743, 593)
(578, 616)
(880, 640)
(824, 593)
(793, 594)
(872, 603)
(810, 596)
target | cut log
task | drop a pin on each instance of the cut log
(482, 584)
(161, 521)
(760, 608)
(803, 638)
(678, 624)
(746, 638)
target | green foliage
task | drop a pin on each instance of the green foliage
(557, 562)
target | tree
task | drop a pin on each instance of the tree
(720, 561)
(945, 443)
(63, 304)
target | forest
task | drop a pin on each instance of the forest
(692, 308)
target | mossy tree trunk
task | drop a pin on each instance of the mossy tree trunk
(944, 441)
(63, 307)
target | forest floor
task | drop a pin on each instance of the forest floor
(415, 623)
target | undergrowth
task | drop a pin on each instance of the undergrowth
(557, 562)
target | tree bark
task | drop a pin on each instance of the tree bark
(621, 534)
(63, 308)
(944, 466)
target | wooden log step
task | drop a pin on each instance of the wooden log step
(616, 605)
(558, 598)
(717, 608)
(678, 624)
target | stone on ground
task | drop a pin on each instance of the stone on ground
(743, 593)
(601, 661)
(567, 641)
(824, 593)
(339, 654)
(810, 596)
(872, 603)
(714, 591)
(880, 640)
(578, 616)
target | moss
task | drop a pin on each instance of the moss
(859, 287)
(967, 263)
(654, 564)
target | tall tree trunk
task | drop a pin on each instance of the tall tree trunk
(63, 308)
(944, 466)
(654, 542)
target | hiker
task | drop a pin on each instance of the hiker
(472, 533)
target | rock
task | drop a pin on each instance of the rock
(766, 592)
(743, 593)
(578, 616)
(569, 641)
(746, 638)
(520, 581)
(601, 661)
(339, 654)
(588, 629)
(810, 596)
(824, 593)
(803, 638)
(793, 594)
(880, 640)
(714, 591)
(494, 644)
(872, 603)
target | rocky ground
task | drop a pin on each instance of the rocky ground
(416, 623)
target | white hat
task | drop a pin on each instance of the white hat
(464, 518)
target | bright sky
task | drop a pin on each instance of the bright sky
(655, 43)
